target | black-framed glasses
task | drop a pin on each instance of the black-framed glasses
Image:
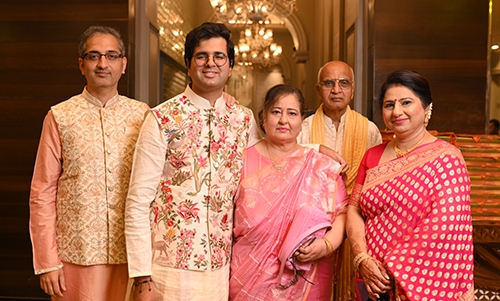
(201, 59)
(329, 84)
(96, 55)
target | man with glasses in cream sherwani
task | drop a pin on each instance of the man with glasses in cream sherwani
(81, 178)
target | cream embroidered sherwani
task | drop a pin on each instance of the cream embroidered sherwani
(186, 170)
(81, 180)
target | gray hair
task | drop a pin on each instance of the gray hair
(92, 30)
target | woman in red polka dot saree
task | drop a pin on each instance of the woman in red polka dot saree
(409, 220)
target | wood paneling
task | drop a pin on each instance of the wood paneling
(38, 68)
(446, 42)
(174, 77)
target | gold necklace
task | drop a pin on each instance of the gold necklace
(276, 166)
(400, 153)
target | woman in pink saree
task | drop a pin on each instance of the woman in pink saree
(409, 220)
(279, 177)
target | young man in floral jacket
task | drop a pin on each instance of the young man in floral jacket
(188, 160)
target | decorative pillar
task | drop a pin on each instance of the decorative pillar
(300, 61)
(147, 52)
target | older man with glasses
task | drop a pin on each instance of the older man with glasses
(187, 165)
(347, 132)
(81, 178)
(334, 124)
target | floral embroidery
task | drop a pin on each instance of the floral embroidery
(220, 250)
(193, 207)
(185, 248)
(224, 225)
(177, 159)
(189, 211)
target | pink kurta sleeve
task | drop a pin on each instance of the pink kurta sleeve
(43, 199)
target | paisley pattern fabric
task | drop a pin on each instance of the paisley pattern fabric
(97, 148)
(418, 220)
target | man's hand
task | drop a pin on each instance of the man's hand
(229, 99)
(143, 289)
(53, 283)
(335, 156)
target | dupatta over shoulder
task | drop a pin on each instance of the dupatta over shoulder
(268, 197)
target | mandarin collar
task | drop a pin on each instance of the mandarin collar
(330, 122)
(96, 102)
(203, 102)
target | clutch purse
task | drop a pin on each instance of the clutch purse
(308, 223)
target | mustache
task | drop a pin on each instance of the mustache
(101, 69)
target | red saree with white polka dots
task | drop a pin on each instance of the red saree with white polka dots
(418, 221)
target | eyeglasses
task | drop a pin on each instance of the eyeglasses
(96, 55)
(201, 59)
(329, 84)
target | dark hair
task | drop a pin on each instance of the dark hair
(496, 123)
(274, 94)
(92, 30)
(411, 80)
(207, 31)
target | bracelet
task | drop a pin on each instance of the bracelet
(148, 281)
(329, 247)
(360, 258)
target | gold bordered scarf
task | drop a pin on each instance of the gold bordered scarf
(354, 143)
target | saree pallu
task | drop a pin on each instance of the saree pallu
(418, 221)
(266, 201)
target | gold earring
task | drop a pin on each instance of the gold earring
(428, 115)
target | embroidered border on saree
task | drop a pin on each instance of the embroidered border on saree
(419, 157)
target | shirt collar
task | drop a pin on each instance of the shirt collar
(201, 102)
(93, 100)
(329, 122)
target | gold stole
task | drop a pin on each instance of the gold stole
(353, 145)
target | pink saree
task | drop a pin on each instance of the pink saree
(418, 221)
(266, 201)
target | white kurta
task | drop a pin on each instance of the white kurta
(335, 137)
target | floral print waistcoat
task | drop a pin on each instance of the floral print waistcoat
(192, 214)
(97, 148)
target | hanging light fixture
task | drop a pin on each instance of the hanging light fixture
(242, 12)
(256, 47)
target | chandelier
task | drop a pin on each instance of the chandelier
(256, 47)
(242, 12)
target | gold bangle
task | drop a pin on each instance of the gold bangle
(360, 258)
(329, 247)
